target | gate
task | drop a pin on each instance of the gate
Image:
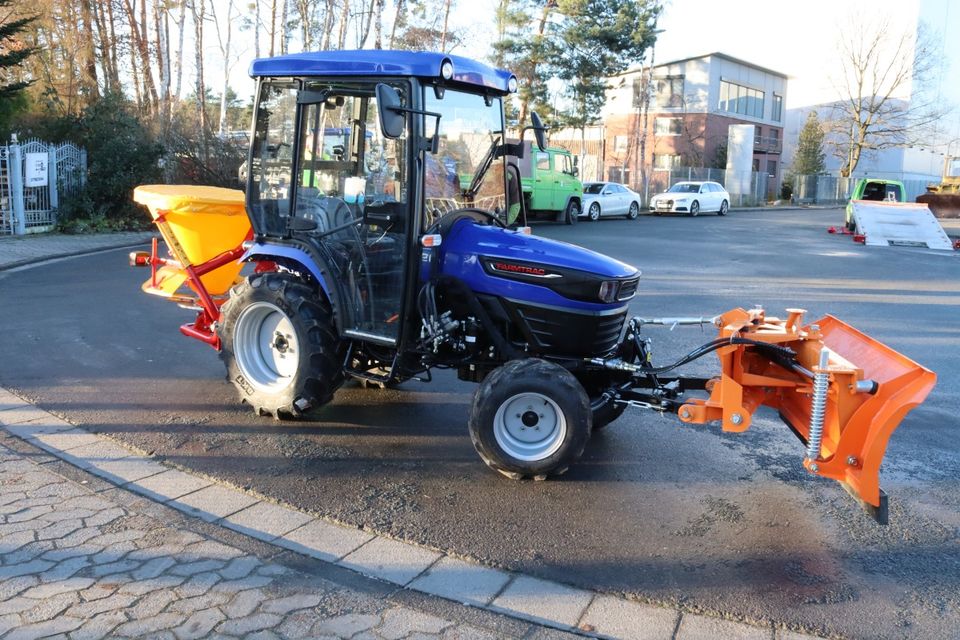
(6, 204)
(34, 176)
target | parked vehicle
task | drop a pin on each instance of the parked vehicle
(692, 198)
(944, 198)
(609, 199)
(875, 190)
(548, 179)
(381, 265)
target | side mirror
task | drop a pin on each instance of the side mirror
(538, 130)
(392, 118)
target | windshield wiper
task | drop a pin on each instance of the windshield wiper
(488, 158)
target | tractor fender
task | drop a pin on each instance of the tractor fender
(312, 264)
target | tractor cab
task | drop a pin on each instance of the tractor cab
(355, 156)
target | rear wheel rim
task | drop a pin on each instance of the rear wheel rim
(634, 210)
(266, 347)
(723, 208)
(529, 427)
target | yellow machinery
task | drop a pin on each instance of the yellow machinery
(944, 199)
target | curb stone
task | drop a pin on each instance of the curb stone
(48, 254)
(403, 565)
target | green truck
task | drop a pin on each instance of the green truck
(876, 190)
(548, 180)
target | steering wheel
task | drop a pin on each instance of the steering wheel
(447, 220)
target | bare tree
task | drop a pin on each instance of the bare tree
(181, 27)
(882, 76)
(224, 41)
(199, 11)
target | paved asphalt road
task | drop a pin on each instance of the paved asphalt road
(729, 524)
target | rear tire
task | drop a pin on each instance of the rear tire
(723, 208)
(280, 346)
(634, 211)
(572, 212)
(530, 418)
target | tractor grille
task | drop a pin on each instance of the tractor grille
(628, 289)
(570, 334)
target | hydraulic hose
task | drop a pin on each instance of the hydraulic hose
(774, 350)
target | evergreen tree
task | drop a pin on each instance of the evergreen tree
(810, 155)
(13, 51)
(596, 39)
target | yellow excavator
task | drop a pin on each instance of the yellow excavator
(944, 199)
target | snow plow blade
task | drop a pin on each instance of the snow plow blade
(843, 395)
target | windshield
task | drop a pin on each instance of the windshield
(685, 187)
(464, 171)
(593, 187)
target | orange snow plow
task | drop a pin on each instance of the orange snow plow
(843, 394)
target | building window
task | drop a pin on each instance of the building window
(775, 135)
(665, 162)
(772, 167)
(741, 100)
(777, 110)
(669, 91)
(668, 126)
(757, 133)
(620, 144)
(756, 164)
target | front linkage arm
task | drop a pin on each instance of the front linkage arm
(841, 392)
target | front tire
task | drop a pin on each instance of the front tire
(634, 211)
(695, 209)
(594, 212)
(280, 346)
(530, 418)
(572, 212)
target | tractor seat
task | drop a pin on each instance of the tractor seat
(325, 211)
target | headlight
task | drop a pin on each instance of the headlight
(512, 84)
(446, 70)
(608, 290)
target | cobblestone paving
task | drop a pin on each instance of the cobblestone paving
(75, 564)
(17, 250)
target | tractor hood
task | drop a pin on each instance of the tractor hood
(512, 264)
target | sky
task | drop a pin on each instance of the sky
(796, 38)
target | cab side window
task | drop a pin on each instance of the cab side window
(543, 161)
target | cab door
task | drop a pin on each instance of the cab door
(565, 180)
(544, 182)
(351, 197)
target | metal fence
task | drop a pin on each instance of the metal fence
(34, 177)
(746, 188)
(836, 190)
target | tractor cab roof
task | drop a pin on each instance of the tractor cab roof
(381, 63)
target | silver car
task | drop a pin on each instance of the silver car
(601, 199)
(692, 198)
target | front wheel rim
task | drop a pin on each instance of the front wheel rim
(529, 427)
(265, 346)
(594, 212)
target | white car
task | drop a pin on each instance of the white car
(692, 198)
(609, 199)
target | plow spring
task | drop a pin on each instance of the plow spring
(841, 392)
